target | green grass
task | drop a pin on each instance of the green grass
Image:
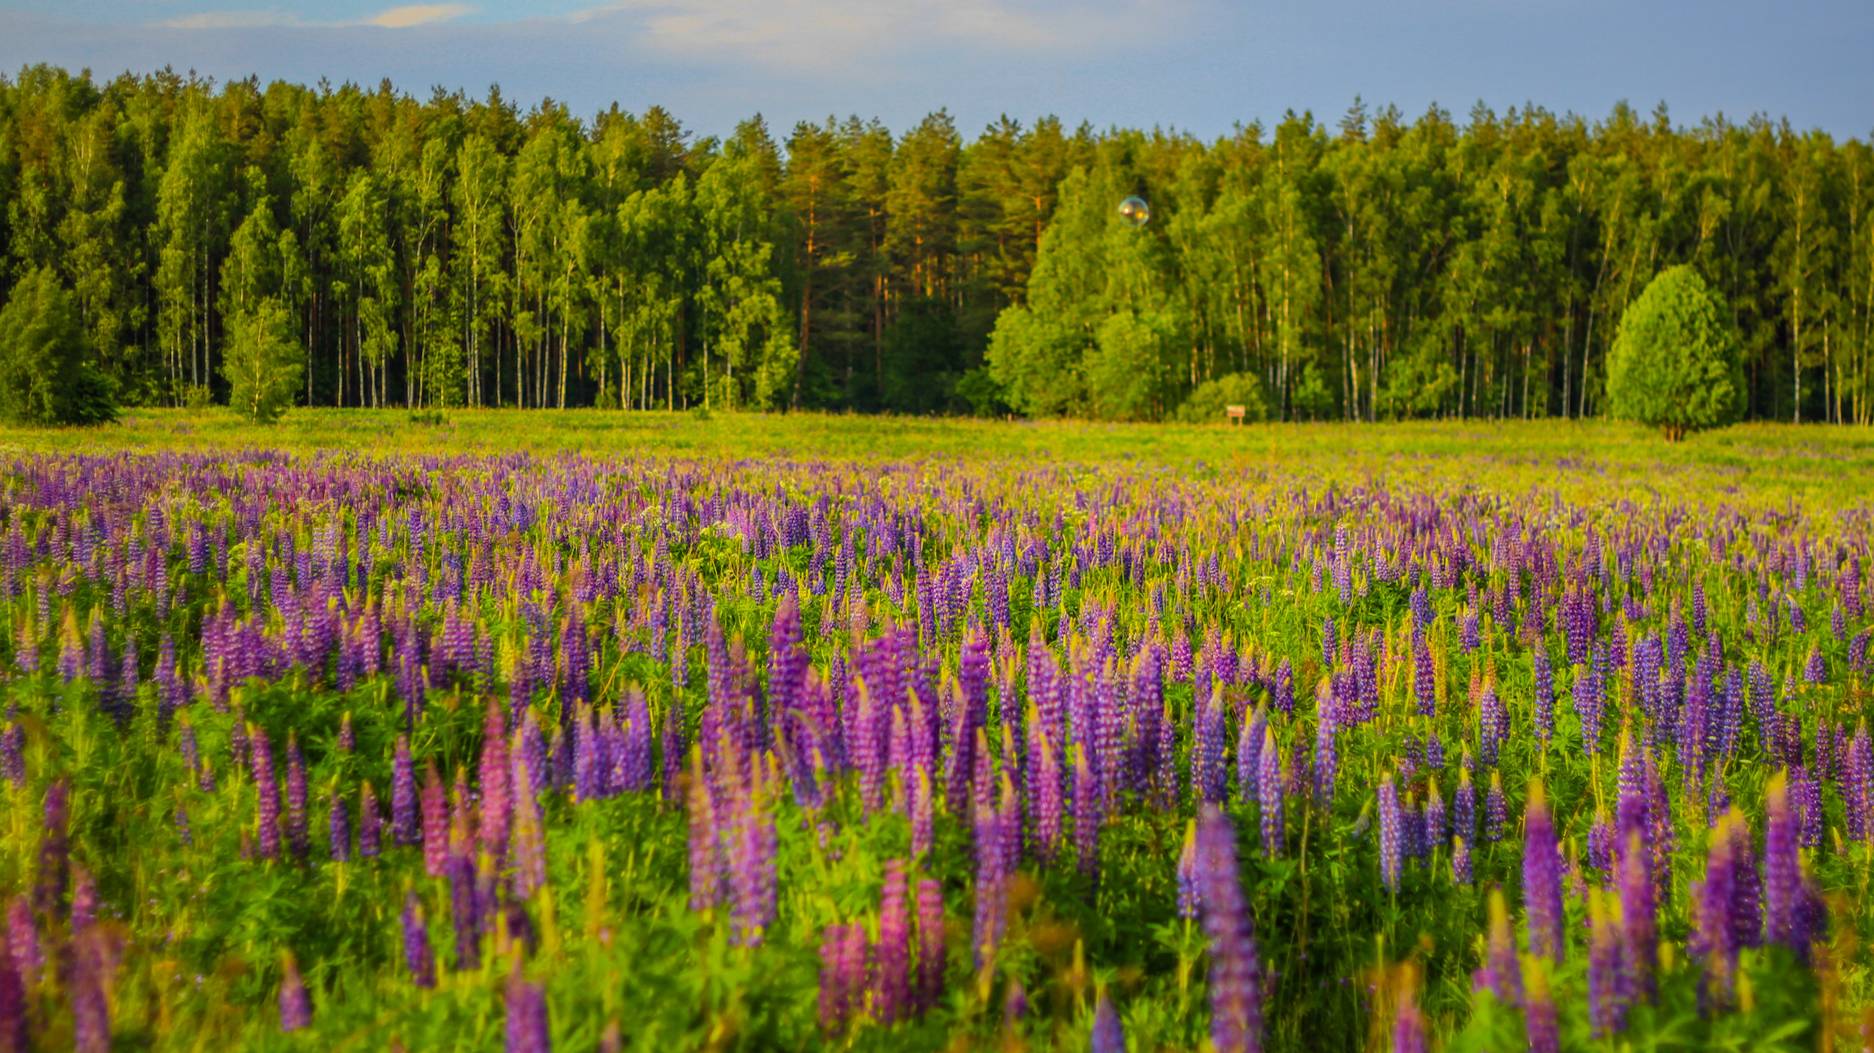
(1818, 466)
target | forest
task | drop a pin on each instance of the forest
(456, 251)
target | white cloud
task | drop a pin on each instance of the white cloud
(403, 17)
(233, 20)
(836, 35)
(417, 15)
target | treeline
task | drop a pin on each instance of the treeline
(459, 251)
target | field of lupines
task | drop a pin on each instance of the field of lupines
(873, 735)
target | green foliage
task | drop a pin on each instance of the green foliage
(262, 363)
(1677, 364)
(925, 348)
(978, 389)
(1037, 363)
(1311, 399)
(46, 373)
(455, 251)
(1129, 371)
(1207, 401)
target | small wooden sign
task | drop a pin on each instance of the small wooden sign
(1236, 413)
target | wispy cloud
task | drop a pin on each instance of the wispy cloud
(233, 20)
(417, 15)
(406, 16)
(836, 35)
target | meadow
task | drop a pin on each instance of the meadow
(595, 730)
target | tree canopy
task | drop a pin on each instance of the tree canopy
(262, 364)
(1676, 363)
(451, 250)
(46, 374)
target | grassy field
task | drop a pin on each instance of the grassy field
(761, 732)
(1819, 466)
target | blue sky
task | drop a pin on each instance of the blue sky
(1198, 65)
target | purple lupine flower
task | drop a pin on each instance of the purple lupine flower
(1730, 722)
(751, 864)
(15, 1035)
(842, 975)
(1391, 835)
(1014, 1002)
(586, 772)
(1235, 971)
(1248, 754)
(1500, 973)
(405, 826)
(496, 795)
(54, 850)
(833, 996)
(1746, 913)
(1589, 698)
(1539, 1009)
(1087, 813)
(1424, 676)
(868, 753)
(1492, 724)
(338, 828)
(1542, 877)
(1464, 805)
(298, 837)
(1638, 922)
(88, 985)
(1607, 994)
(1408, 1025)
(1269, 792)
(1601, 841)
(370, 823)
(1787, 907)
(857, 955)
(1857, 786)
(1543, 697)
(532, 744)
(930, 942)
(708, 877)
(22, 940)
(464, 911)
(260, 761)
(636, 761)
(1496, 810)
(526, 848)
(1435, 826)
(526, 1006)
(295, 1003)
(1108, 1036)
(418, 956)
(12, 754)
(923, 820)
(893, 989)
(1208, 774)
(1326, 755)
(1712, 938)
(1000, 830)
(1461, 860)
(1188, 890)
(1044, 791)
(435, 822)
(84, 899)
